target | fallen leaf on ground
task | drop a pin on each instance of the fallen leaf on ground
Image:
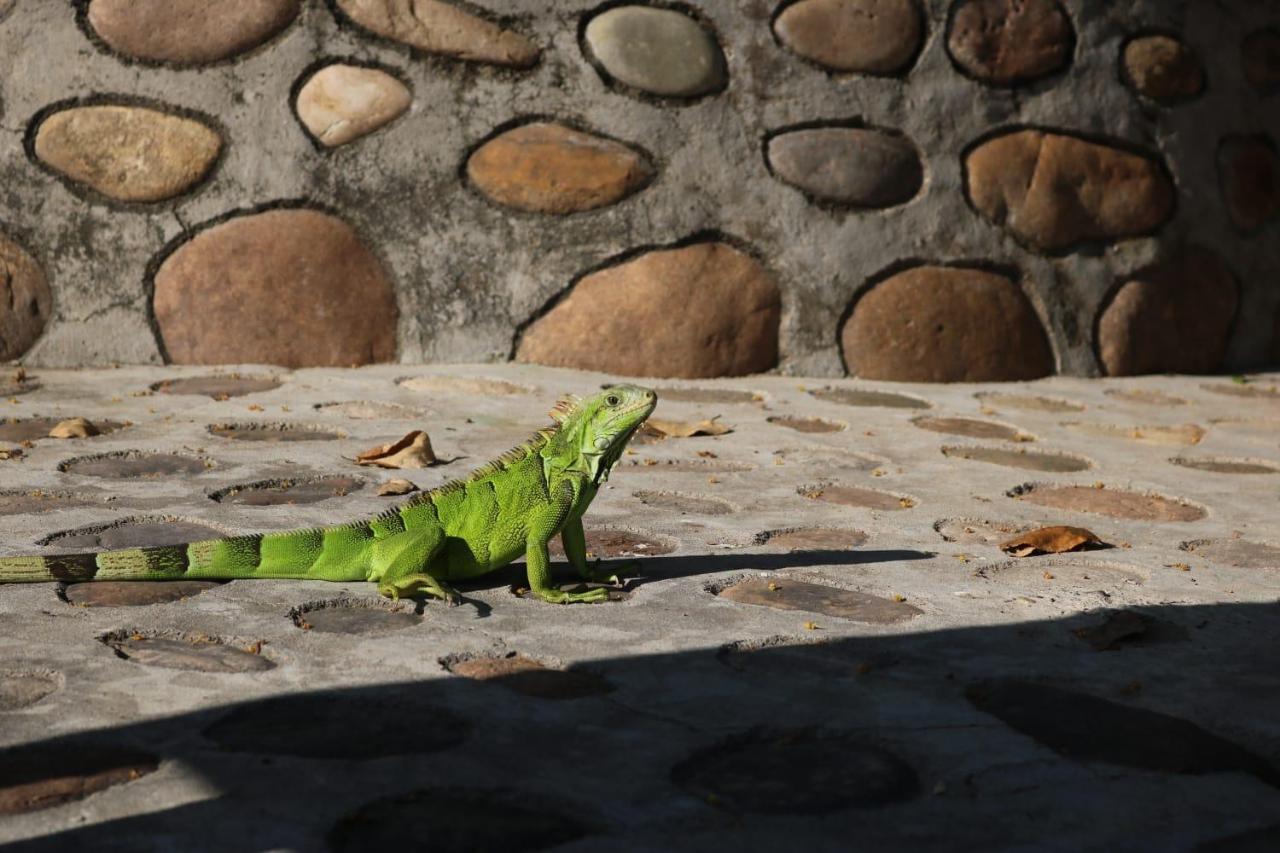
(396, 487)
(7, 453)
(412, 451)
(74, 428)
(684, 429)
(1050, 540)
(1121, 625)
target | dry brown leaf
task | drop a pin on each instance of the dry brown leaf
(74, 428)
(412, 451)
(7, 453)
(685, 429)
(1050, 540)
(396, 487)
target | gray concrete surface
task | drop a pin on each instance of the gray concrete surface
(958, 709)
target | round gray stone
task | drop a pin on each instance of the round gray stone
(847, 165)
(659, 51)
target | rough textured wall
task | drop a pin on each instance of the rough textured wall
(911, 189)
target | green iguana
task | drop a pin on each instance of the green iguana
(465, 528)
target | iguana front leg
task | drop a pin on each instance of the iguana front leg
(538, 562)
(574, 540)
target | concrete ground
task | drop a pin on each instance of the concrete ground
(823, 648)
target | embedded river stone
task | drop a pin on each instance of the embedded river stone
(1053, 190)
(17, 502)
(1240, 553)
(945, 324)
(128, 153)
(968, 531)
(1225, 465)
(659, 51)
(307, 490)
(34, 429)
(443, 28)
(465, 385)
(709, 395)
(260, 432)
(785, 594)
(370, 410)
(133, 593)
(708, 310)
(1113, 502)
(1029, 460)
(217, 386)
(807, 424)
(341, 103)
(685, 504)
(1180, 434)
(353, 616)
(846, 165)
(1163, 68)
(291, 287)
(812, 539)
(971, 428)
(608, 543)
(188, 32)
(1009, 41)
(199, 655)
(24, 688)
(545, 167)
(1145, 396)
(1062, 573)
(856, 496)
(131, 533)
(25, 302)
(866, 36)
(529, 677)
(1028, 402)
(1260, 58)
(127, 464)
(34, 778)
(1249, 169)
(1247, 390)
(862, 397)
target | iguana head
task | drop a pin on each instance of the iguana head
(596, 429)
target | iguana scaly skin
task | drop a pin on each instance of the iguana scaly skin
(465, 528)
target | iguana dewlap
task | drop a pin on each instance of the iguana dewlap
(514, 505)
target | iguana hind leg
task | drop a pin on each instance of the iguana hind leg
(402, 565)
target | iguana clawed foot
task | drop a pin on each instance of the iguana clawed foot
(405, 587)
(558, 596)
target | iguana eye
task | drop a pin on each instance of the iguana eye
(612, 400)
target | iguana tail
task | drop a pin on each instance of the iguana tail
(330, 553)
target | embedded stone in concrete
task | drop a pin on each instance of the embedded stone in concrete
(465, 385)
(254, 431)
(1173, 317)
(1010, 41)
(25, 305)
(16, 502)
(133, 593)
(1027, 460)
(1084, 727)
(807, 424)
(1249, 170)
(128, 153)
(849, 166)
(1028, 402)
(608, 543)
(1260, 58)
(544, 167)
(777, 771)
(198, 655)
(443, 28)
(1145, 396)
(1248, 390)
(24, 688)
(217, 386)
(34, 429)
(139, 532)
(825, 458)
(708, 310)
(370, 410)
(341, 103)
(529, 677)
(812, 539)
(945, 324)
(1159, 434)
(685, 504)
(458, 820)
(862, 397)
(969, 531)
(307, 490)
(1113, 502)
(319, 724)
(865, 36)
(128, 464)
(857, 497)
(650, 465)
(971, 428)
(188, 32)
(1163, 68)
(1241, 553)
(1058, 574)
(783, 657)
(658, 51)
(1117, 627)
(291, 287)
(1225, 465)
(708, 395)
(1054, 191)
(34, 778)
(353, 616)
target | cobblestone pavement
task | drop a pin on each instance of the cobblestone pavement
(824, 647)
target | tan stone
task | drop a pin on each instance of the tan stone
(443, 28)
(1053, 190)
(869, 36)
(945, 324)
(128, 153)
(1260, 57)
(341, 103)
(1174, 317)
(700, 311)
(1006, 41)
(290, 287)
(550, 168)
(1249, 170)
(25, 300)
(1163, 68)
(188, 32)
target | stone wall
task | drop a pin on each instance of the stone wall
(899, 189)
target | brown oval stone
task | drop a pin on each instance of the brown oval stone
(786, 594)
(1053, 190)
(705, 310)
(530, 677)
(971, 428)
(847, 165)
(1174, 317)
(188, 32)
(290, 287)
(1028, 460)
(1008, 41)
(1260, 57)
(128, 153)
(39, 778)
(437, 27)
(133, 593)
(1249, 170)
(549, 168)
(1163, 68)
(1113, 502)
(857, 496)
(341, 103)
(945, 324)
(25, 300)
(868, 36)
